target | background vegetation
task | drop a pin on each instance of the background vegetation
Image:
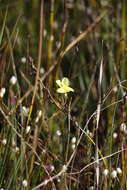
(49, 140)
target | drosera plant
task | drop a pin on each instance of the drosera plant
(50, 142)
(64, 86)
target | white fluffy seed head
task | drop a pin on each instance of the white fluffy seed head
(37, 119)
(25, 111)
(89, 133)
(39, 113)
(114, 174)
(58, 180)
(58, 133)
(73, 146)
(13, 80)
(73, 140)
(17, 149)
(119, 171)
(42, 70)
(25, 183)
(4, 141)
(28, 129)
(23, 59)
(2, 92)
(123, 127)
(64, 168)
(105, 172)
(52, 168)
(58, 44)
(43, 151)
(51, 37)
(115, 89)
(115, 135)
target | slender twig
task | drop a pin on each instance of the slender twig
(63, 170)
(39, 60)
(36, 83)
(82, 36)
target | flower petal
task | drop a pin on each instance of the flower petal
(68, 89)
(59, 83)
(65, 81)
(61, 90)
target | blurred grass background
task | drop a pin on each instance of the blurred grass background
(54, 121)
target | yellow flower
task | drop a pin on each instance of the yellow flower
(64, 86)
